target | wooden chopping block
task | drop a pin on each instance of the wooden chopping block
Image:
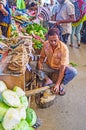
(45, 99)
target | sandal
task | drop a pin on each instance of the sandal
(62, 91)
(37, 124)
(78, 44)
(71, 45)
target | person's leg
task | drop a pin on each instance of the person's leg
(4, 30)
(72, 35)
(51, 25)
(45, 24)
(69, 42)
(34, 68)
(60, 32)
(77, 32)
(43, 74)
(49, 71)
(8, 31)
(70, 73)
(65, 38)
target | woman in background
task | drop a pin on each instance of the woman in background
(77, 25)
(5, 19)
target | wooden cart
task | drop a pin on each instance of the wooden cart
(19, 80)
(12, 80)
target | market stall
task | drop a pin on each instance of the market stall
(15, 54)
(25, 44)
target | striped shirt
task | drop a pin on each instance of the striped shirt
(44, 12)
(3, 2)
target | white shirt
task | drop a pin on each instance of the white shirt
(63, 12)
(3, 2)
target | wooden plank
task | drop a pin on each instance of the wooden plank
(35, 91)
(14, 80)
(28, 75)
(38, 90)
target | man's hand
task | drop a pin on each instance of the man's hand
(56, 89)
(3, 10)
(5, 13)
(40, 66)
(57, 23)
(59, 79)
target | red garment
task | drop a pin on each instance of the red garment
(82, 5)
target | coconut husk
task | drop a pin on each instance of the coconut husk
(19, 60)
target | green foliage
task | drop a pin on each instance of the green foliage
(36, 27)
(1, 39)
(73, 64)
(38, 44)
(14, 34)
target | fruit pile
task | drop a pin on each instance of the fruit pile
(38, 31)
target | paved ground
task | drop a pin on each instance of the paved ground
(69, 111)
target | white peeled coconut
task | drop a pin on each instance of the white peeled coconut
(11, 119)
(3, 86)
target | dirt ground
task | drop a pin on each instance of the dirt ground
(69, 111)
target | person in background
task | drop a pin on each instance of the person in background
(65, 14)
(56, 54)
(45, 12)
(41, 14)
(54, 11)
(53, 14)
(5, 18)
(33, 10)
(83, 32)
(27, 2)
(12, 3)
(77, 24)
(51, 6)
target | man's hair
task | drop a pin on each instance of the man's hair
(53, 31)
(33, 4)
